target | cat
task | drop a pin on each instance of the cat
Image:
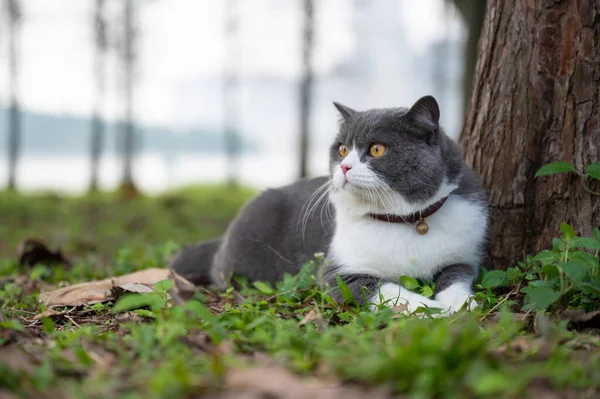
(399, 201)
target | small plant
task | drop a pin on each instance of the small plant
(592, 172)
(567, 276)
(155, 300)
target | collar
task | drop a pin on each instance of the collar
(413, 217)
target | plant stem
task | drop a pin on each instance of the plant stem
(583, 181)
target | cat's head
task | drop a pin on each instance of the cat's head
(395, 160)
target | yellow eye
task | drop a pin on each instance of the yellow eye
(343, 150)
(377, 150)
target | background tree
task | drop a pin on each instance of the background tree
(100, 47)
(535, 100)
(231, 86)
(13, 11)
(305, 85)
(473, 13)
(128, 58)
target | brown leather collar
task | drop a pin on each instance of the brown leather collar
(412, 218)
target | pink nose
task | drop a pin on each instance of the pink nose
(345, 168)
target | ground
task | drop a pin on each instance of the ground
(535, 334)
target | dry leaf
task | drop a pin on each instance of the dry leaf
(581, 319)
(101, 291)
(277, 382)
(310, 316)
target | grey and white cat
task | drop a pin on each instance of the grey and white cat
(399, 201)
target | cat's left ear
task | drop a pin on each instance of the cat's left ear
(346, 112)
(426, 113)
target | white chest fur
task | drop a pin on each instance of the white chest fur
(390, 250)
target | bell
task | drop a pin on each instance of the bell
(422, 227)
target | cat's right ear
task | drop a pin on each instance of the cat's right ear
(346, 112)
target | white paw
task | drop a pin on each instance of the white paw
(454, 298)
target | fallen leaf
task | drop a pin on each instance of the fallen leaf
(33, 251)
(310, 316)
(277, 382)
(102, 291)
(580, 319)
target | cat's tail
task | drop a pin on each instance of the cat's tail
(194, 263)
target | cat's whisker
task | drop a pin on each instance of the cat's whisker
(307, 204)
(324, 192)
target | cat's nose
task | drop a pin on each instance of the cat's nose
(345, 168)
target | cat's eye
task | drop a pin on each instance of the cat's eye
(343, 150)
(376, 150)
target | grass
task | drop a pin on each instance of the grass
(263, 340)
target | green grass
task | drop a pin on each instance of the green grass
(258, 338)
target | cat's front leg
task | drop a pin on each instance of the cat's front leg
(373, 291)
(392, 294)
(453, 287)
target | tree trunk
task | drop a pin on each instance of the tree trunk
(535, 100)
(128, 55)
(14, 117)
(97, 139)
(473, 13)
(305, 86)
(231, 86)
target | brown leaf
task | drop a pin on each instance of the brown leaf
(277, 382)
(33, 251)
(580, 319)
(310, 316)
(101, 291)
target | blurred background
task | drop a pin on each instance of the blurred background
(159, 94)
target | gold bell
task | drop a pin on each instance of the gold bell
(422, 227)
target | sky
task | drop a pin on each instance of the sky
(181, 60)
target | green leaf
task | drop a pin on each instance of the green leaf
(576, 270)
(427, 291)
(200, 310)
(495, 278)
(263, 287)
(585, 242)
(558, 244)
(590, 259)
(593, 171)
(546, 256)
(344, 290)
(550, 270)
(164, 285)
(145, 313)
(591, 288)
(567, 231)
(136, 301)
(554, 168)
(597, 233)
(539, 298)
(12, 325)
(409, 283)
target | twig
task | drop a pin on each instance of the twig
(496, 306)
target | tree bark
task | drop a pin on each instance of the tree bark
(535, 100)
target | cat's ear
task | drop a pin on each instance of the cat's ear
(426, 113)
(346, 112)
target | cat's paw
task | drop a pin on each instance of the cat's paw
(455, 297)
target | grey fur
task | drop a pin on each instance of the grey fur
(278, 231)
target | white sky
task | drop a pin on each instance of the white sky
(181, 42)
